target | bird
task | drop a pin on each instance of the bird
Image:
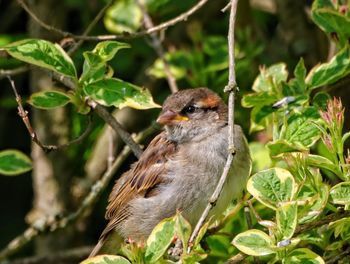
(178, 171)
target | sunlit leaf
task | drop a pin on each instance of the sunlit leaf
(112, 91)
(49, 99)
(272, 187)
(302, 256)
(330, 72)
(254, 243)
(14, 162)
(123, 16)
(106, 50)
(159, 240)
(286, 217)
(43, 54)
(270, 77)
(183, 229)
(106, 259)
(282, 146)
(340, 193)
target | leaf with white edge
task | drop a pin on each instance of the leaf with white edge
(112, 91)
(94, 68)
(323, 163)
(106, 259)
(282, 146)
(182, 229)
(14, 162)
(300, 74)
(270, 77)
(254, 243)
(330, 72)
(287, 216)
(106, 50)
(314, 208)
(201, 233)
(159, 240)
(49, 99)
(302, 256)
(123, 16)
(44, 54)
(272, 187)
(301, 128)
(340, 193)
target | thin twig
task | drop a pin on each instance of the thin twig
(237, 258)
(50, 226)
(105, 115)
(24, 115)
(341, 255)
(67, 256)
(110, 157)
(182, 17)
(4, 73)
(231, 87)
(93, 23)
(158, 47)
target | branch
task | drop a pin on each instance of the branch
(237, 258)
(4, 73)
(24, 115)
(230, 88)
(325, 220)
(182, 17)
(89, 28)
(74, 255)
(157, 46)
(45, 225)
(341, 255)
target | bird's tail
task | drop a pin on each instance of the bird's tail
(109, 244)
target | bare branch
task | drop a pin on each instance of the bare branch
(230, 88)
(237, 258)
(48, 225)
(4, 73)
(158, 47)
(74, 255)
(24, 115)
(182, 17)
(90, 27)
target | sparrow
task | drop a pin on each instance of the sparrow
(178, 171)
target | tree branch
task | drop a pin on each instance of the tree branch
(42, 226)
(24, 115)
(230, 88)
(182, 17)
(5, 73)
(158, 47)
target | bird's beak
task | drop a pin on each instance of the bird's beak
(167, 117)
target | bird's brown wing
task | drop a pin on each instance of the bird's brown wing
(140, 180)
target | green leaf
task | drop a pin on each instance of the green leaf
(303, 256)
(255, 99)
(340, 193)
(323, 163)
(302, 129)
(330, 72)
(317, 202)
(44, 54)
(270, 77)
(282, 146)
(201, 234)
(49, 99)
(331, 21)
(286, 217)
(112, 91)
(123, 16)
(94, 68)
(14, 162)
(182, 229)
(320, 100)
(159, 240)
(192, 258)
(300, 74)
(106, 50)
(260, 156)
(254, 243)
(106, 259)
(272, 187)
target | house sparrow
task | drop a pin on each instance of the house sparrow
(179, 170)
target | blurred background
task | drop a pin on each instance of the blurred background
(268, 31)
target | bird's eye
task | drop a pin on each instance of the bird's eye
(189, 109)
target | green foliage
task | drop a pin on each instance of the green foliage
(14, 162)
(49, 99)
(106, 259)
